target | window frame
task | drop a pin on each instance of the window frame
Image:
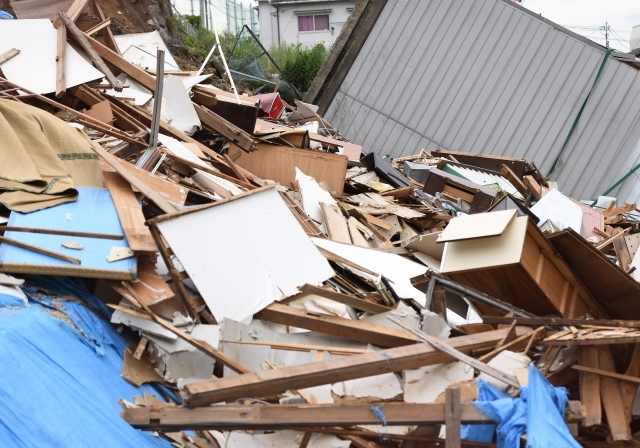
(313, 15)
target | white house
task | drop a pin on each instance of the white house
(306, 22)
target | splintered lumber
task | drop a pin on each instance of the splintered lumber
(105, 23)
(533, 187)
(337, 326)
(225, 128)
(203, 346)
(612, 401)
(276, 381)
(39, 250)
(133, 180)
(104, 236)
(273, 416)
(78, 116)
(345, 299)
(93, 55)
(457, 354)
(122, 64)
(560, 322)
(4, 57)
(130, 214)
(76, 8)
(625, 208)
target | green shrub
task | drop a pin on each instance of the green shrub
(301, 64)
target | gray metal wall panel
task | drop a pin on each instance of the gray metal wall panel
(488, 77)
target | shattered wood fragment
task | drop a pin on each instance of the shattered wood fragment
(4, 57)
(223, 127)
(346, 299)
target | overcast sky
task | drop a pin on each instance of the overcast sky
(622, 15)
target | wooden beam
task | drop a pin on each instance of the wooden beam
(514, 179)
(561, 322)
(622, 253)
(132, 179)
(231, 132)
(345, 299)
(39, 250)
(615, 376)
(232, 417)
(276, 381)
(529, 338)
(451, 351)
(76, 8)
(91, 52)
(602, 244)
(612, 398)
(337, 326)
(533, 187)
(121, 63)
(61, 30)
(105, 23)
(625, 208)
(104, 236)
(590, 387)
(453, 417)
(4, 57)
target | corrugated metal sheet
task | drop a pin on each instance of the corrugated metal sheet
(490, 77)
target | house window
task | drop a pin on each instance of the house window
(313, 23)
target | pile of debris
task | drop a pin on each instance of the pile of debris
(271, 284)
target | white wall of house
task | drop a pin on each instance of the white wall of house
(634, 41)
(294, 20)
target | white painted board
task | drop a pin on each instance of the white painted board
(141, 49)
(394, 267)
(245, 254)
(480, 225)
(312, 195)
(180, 109)
(559, 209)
(35, 67)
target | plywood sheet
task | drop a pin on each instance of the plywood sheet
(270, 253)
(93, 211)
(426, 243)
(35, 67)
(481, 225)
(130, 214)
(278, 163)
(336, 224)
(488, 252)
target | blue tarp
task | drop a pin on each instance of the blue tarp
(538, 412)
(61, 385)
(5, 15)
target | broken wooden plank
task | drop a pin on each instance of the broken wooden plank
(560, 322)
(269, 417)
(615, 376)
(529, 338)
(61, 31)
(514, 180)
(336, 224)
(76, 8)
(122, 64)
(39, 250)
(225, 128)
(323, 323)
(93, 55)
(625, 208)
(612, 398)
(533, 186)
(622, 253)
(345, 299)
(133, 180)
(91, 31)
(453, 417)
(275, 381)
(446, 348)
(4, 57)
(105, 236)
(129, 213)
(149, 287)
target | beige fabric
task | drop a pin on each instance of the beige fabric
(42, 159)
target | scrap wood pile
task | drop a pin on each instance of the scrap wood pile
(280, 287)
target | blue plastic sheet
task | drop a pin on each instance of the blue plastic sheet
(61, 377)
(538, 412)
(5, 15)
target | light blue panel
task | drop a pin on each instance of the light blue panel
(94, 211)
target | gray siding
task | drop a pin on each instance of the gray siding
(488, 77)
